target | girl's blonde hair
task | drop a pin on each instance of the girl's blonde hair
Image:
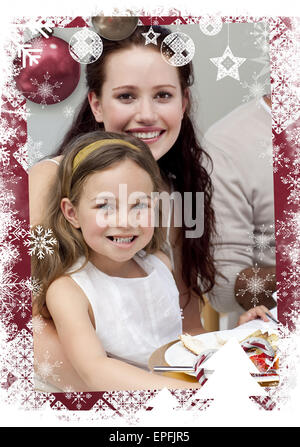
(69, 183)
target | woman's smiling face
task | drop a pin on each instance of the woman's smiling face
(141, 95)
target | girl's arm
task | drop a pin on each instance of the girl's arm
(69, 309)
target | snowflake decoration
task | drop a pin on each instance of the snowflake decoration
(292, 180)
(34, 285)
(210, 25)
(41, 243)
(276, 157)
(293, 135)
(290, 278)
(28, 53)
(45, 90)
(29, 153)
(256, 285)
(68, 111)
(46, 370)
(79, 398)
(290, 226)
(264, 60)
(38, 324)
(263, 241)
(261, 33)
(256, 89)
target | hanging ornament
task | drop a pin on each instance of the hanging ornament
(115, 28)
(210, 25)
(177, 49)
(55, 75)
(151, 36)
(228, 64)
(85, 46)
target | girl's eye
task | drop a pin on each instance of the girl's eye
(141, 205)
(105, 206)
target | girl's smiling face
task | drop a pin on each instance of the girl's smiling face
(113, 227)
(141, 95)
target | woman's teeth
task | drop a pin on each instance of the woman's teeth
(146, 135)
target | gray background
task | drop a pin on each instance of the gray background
(212, 99)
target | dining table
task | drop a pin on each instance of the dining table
(157, 358)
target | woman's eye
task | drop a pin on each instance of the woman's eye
(125, 97)
(164, 95)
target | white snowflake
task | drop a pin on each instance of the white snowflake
(45, 90)
(256, 285)
(47, 370)
(38, 324)
(27, 53)
(29, 153)
(290, 278)
(256, 89)
(277, 157)
(79, 398)
(261, 33)
(292, 180)
(41, 242)
(263, 242)
(68, 111)
(293, 135)
(290, 226)
(34, 286)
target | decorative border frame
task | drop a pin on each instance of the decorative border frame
(16, 370)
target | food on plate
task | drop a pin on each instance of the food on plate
(260, 346)
(192, 344)
(271, 338)
(264, 358)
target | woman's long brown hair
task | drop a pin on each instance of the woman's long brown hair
(185, 162)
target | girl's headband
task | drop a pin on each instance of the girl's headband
(83, 153)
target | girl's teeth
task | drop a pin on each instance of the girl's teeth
(122, 240)
(144, 135)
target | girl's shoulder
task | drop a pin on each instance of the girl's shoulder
(164, 258)
(64, 291)
(46, 164)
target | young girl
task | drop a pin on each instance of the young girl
(107, 286)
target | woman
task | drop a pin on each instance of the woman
(132, 89)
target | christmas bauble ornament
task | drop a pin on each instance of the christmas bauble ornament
(210, 25)
(177, 49)
(53, 78)
(115, 28)
(85, 46)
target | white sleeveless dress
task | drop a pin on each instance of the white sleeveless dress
(133, 316)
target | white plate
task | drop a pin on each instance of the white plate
(178, 355)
